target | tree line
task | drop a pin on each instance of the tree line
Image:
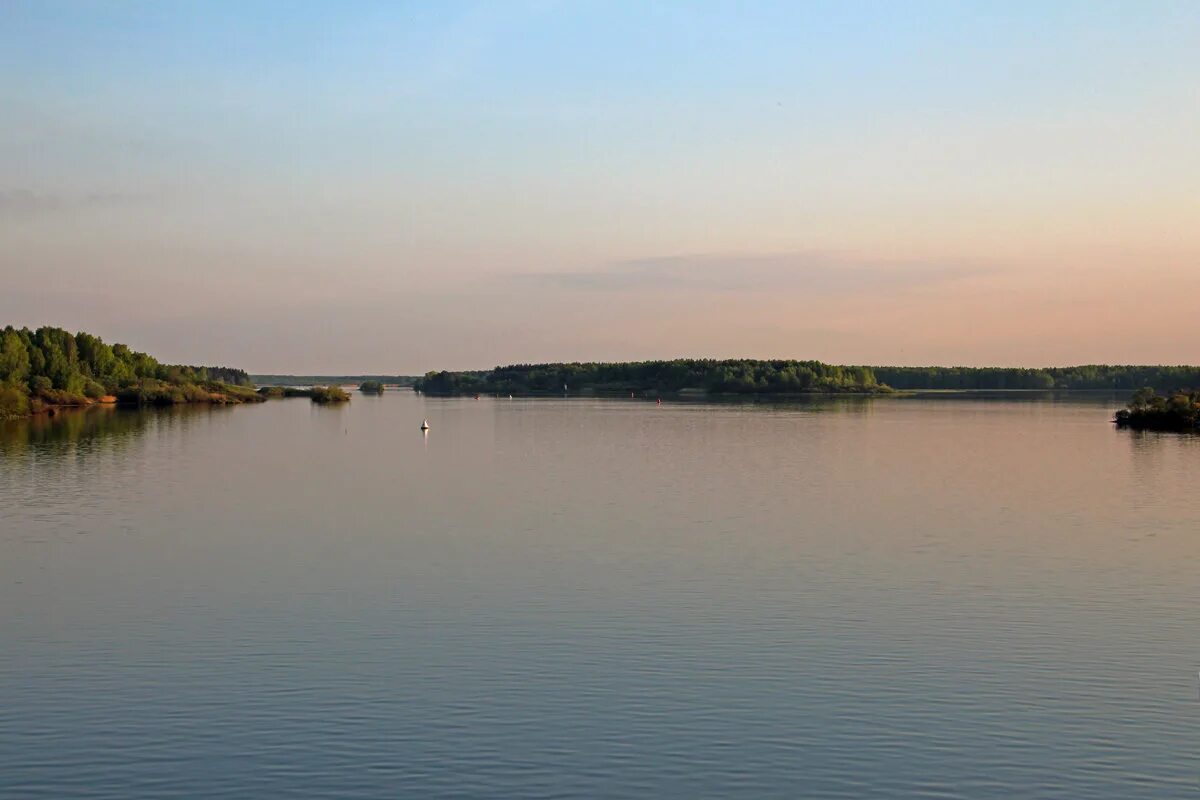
(1090, 376)
(330, 380)
(52, 366)
(752, 376)
(735, 376)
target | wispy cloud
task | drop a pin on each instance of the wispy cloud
(815, 272)
(26, 202)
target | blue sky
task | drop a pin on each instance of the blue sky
(380, 186)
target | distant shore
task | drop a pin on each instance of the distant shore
(331, 380)
(790, 377)
(51, 368)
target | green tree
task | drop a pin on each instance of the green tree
(1142, 398)
(14, 359)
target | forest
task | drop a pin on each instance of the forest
(735, 376)
(1092, 376)
(51, 367)
(750, 376)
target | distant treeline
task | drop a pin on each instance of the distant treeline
(750, 376)
(738, 376)
(230, 375)
(1091, 376)
(330, 380)
(54, 367)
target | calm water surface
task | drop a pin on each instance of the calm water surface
(546, 598)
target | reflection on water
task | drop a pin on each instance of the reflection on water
(70, 425)
(94, 424)
(850, 597)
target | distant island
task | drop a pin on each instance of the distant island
(329, 394)
(318, 394)
(754, 376)
(50, 368)
(331, 380)
(731, 376)
(1147, 410)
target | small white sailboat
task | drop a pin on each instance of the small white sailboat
(424, 424)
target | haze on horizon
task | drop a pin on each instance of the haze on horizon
(393, 188)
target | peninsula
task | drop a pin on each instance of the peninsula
(50, 368)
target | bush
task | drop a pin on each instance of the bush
(13, 402)
(150, 392)
(234, 393)
(285, 391)
(329, 394)
(371, 387)
(60, 397)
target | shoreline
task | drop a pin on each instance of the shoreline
(40, 408)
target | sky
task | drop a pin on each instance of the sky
(400, 187)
